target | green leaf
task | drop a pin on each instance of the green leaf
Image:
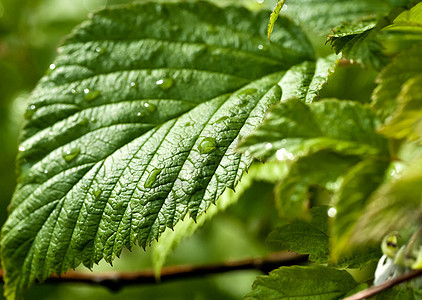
(359, 41)
(406, 122)
(306, 238)
(408, 22)
(324, 169)
(321, 16)
(393, 207)
(285, 135)
(303, 283)
(135, 127)
(404, 66)
(314, 238)
(358, 186)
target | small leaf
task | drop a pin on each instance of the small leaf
(314, 238)
(359, 41)
(306, 238)
(297, 282)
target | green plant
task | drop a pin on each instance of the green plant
(152, 111)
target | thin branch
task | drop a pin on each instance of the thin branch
(384, 286)
(115, 281)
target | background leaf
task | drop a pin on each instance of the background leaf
(358, 186)
(304, 283)
(134, 128)
(322, 169)
(391, 79)
(396, 205)
(285, 135)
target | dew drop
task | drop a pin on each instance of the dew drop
(150, 107)
(50, 133)
(97, 193)
(260, 1)
(165, 83)
(133, 84)
(71, 154)
(45, 171)
(100, 50)
(73, 91)
(83, 121)
(30, 110)
(140, 114)
(207, 145)
(91, 95)
(52, 67)
(268, 146)
(332, 212)
(22, 149)
(151, 178)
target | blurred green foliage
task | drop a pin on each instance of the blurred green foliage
(30, 31)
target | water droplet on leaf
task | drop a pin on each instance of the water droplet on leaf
(207, 145)
(22, 149)
(91, 95)
(165, 83)
(52, 67)
(150, 107)
(83, 121)
(332, 212)
(71, 154)
(97, 193)
(268, 146)
(100, 50)
(133, 84)
(30, 110)
(151, 178)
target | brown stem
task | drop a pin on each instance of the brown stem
(117, 280)
(384, 286)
